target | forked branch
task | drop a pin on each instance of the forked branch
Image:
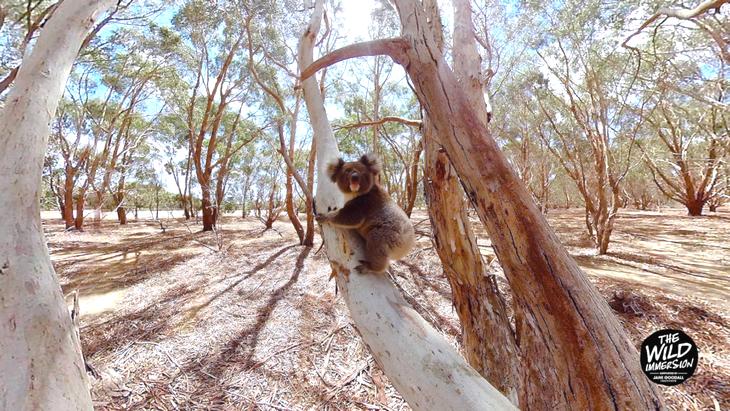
(682, 14)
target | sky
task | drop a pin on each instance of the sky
(354, 15)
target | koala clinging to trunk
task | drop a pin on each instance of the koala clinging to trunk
(368, 209)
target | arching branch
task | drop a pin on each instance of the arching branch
(388, 119)
(394, 48)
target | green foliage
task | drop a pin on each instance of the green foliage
(535, 48)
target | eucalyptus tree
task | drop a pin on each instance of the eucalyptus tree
(593, 347)
(381, 116)
(42, 364)
(239, 134)
(136, 157)
(518, 129)
(687, 162)
(478, 301)
(22, 20)
(243, 168)
(373, 300)
(265, 184)
(173, 135)
(592, 114)
(638, 189)
(685, 66)
(706, 17)
(270, 58)
(66, 143)
(211, 60)
(113, 88)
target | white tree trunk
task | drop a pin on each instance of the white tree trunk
(40, 359)
(423, 367)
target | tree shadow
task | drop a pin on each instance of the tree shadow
(149, 324)
(420, 278)
(108, 267)
(193, 312)
(239, 351)
(102, 267)
(423, 304)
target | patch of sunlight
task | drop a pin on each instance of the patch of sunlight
(98, 303)
(679, 284)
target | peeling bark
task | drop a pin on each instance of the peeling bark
(487, 336)
(478, 302)
(419, 362)
(576, 353)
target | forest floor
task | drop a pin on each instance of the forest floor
(247, 319)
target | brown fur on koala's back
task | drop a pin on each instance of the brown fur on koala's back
(386, 223)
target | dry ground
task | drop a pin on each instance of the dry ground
(248, 320)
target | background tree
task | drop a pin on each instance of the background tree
(216, 77)
(269, 59)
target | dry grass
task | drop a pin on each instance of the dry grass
(170, 324)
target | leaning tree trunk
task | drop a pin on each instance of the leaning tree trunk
(291, 212)
(184, 204)
(309, 204)
(41, 364)
(576, 353)
(412, 179)
(208, 209)
(477, 300)
(420, 363)
(694, 206)
(68, 198)
(714, 204)
(121, 210)
(119, 198)
(272, 212)
(80, 204)
(122, 215)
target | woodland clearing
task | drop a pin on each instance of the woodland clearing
(247, 319)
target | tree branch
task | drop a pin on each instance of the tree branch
(388, 119)
(682, 14)
(394, 48)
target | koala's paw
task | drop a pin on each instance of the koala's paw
(363, 267)
(321, 218)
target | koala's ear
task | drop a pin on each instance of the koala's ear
(371, 162)
(334, 169)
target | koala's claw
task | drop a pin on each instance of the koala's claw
(321, 218)
(363, 266)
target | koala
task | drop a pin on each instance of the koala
(369, 211)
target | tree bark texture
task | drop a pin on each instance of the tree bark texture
(40, 360)
(419, 362)
(479, 304)
(577, 355)
(487, 336)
